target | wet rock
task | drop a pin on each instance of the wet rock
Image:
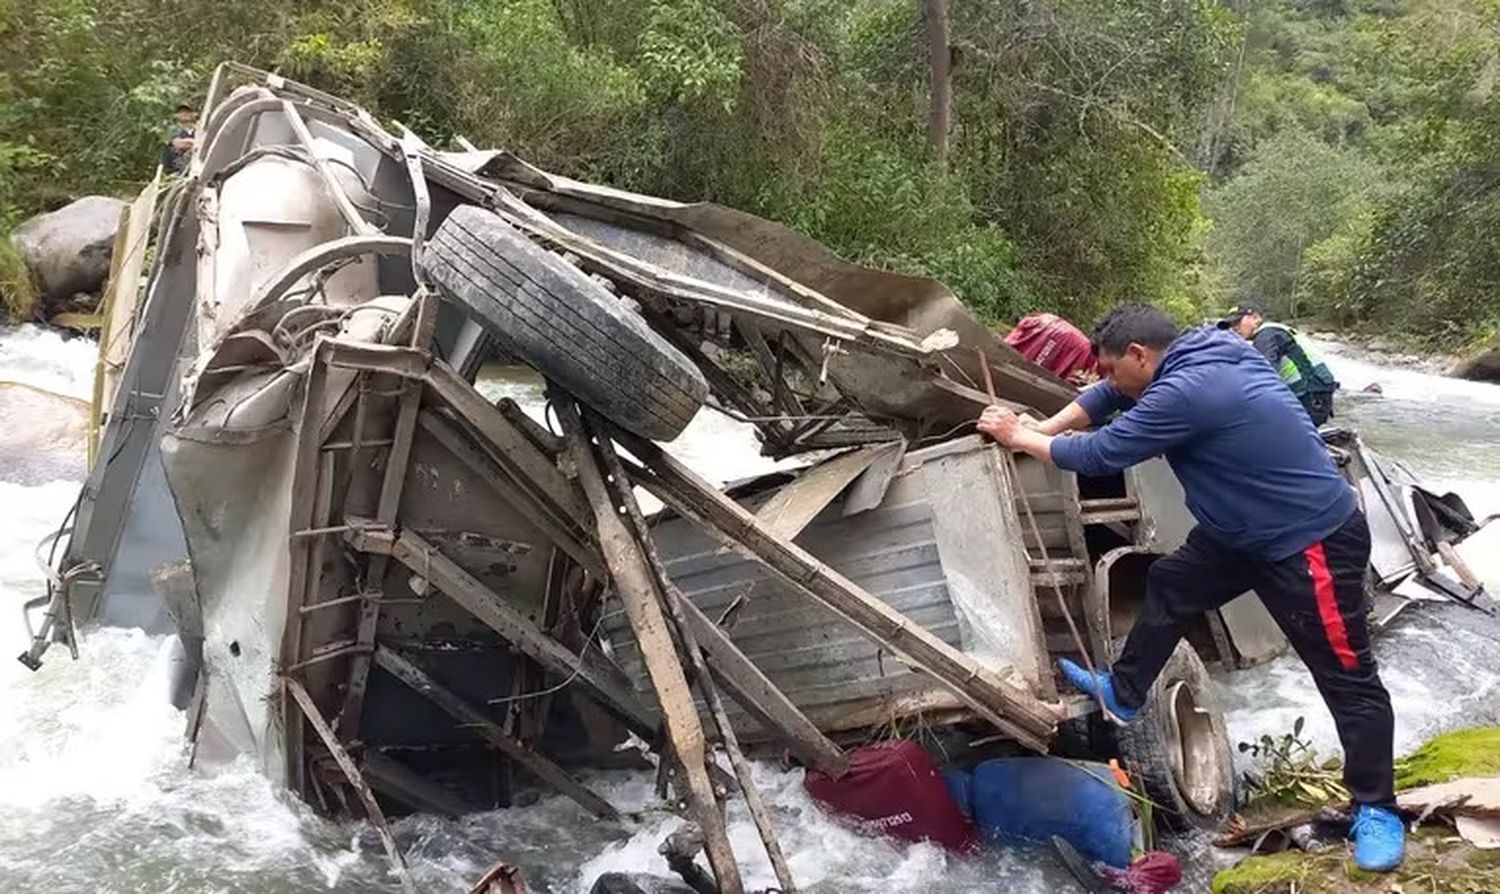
(67, 252)
(1482, 364)
(637, 883)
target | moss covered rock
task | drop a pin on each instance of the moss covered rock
(1467, 752)
(1436, 861)
(1435, 864)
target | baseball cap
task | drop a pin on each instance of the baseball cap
(1236, 313)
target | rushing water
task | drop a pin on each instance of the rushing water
(95, 796)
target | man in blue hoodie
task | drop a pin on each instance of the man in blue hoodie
(1273, 514)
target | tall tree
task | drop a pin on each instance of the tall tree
(940, 61)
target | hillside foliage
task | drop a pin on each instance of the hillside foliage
(1330, 158)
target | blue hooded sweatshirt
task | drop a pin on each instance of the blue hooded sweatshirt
(1257, 476)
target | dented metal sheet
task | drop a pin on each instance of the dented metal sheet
(815, 657)
(792, 507)
(824, 664)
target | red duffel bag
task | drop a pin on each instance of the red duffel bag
(895, 788)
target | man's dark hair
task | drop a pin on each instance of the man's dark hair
(184, 107)
(1134, 323)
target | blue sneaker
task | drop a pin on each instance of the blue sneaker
(1097, 684)
(1379, 838)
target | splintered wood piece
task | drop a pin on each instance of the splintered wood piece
(633, 585)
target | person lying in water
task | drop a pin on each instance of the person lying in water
(1273, 515)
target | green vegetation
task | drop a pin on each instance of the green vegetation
(1288, 772)
(1337, 159)
(1435, 864)
(1456, 755)
(1436, 860)
(1065, 186)
(16, 290)
(1355, 179)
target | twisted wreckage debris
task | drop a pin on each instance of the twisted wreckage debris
(399, 595)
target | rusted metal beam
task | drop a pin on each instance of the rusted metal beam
(302, 567)
(517, 629)
(1012, 710)
(309, 710)
(538, 765)
(632, 581)
(533, 473)
(673, 600)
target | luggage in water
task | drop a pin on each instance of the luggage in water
(1035, 798)
(895, 788)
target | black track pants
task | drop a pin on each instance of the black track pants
(1317, 597)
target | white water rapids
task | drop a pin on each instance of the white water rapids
(95, 795)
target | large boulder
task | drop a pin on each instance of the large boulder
(1482, 364)
(67, 251)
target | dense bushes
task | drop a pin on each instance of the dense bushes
(1360, 176)
(1347, 151)
(1066, 186)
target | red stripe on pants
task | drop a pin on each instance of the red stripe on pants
(1328, 607)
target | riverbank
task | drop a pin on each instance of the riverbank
(1448, 854)
(1385, 349)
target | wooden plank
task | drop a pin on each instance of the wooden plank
(119, 303)
(518, 630)
(796, 504)
(376, 816)
(761, 698)
(632, 583)
(624, 495)
(1012, 710)
(538, 765)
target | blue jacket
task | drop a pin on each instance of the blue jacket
(1257, 476)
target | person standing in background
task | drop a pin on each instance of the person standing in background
(1300, 368)
(182, 136)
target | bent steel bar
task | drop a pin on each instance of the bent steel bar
(320, 256)
(352, 217)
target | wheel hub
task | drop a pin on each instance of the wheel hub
(1197, 766)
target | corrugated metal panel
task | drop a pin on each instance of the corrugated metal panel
(816, 657)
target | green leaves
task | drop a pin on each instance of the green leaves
(1067, 187)
(1289, 772)
(690, 52)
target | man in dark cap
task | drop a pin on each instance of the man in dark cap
(181, 138)
(1299, 366)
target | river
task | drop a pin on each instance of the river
(95, 796)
